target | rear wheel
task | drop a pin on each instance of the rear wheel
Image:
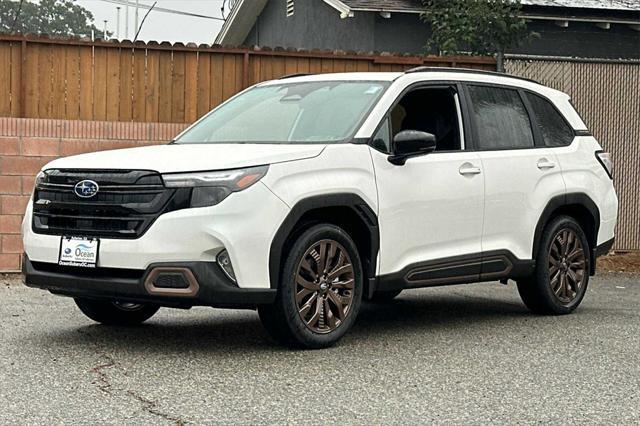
(116, 313)
(562, 269)
(320, 290)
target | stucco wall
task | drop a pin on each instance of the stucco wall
(314, 26)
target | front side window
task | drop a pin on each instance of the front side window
(432, 110)
(554, 129)
(309, 112)
(501, 119)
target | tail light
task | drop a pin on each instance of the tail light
(607, 162)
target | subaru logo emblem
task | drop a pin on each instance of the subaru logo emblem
(86, 189)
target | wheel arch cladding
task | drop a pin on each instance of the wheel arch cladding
(578, 206)
(348, 211)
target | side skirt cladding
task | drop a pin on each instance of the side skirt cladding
(343, 209)
(477, 267)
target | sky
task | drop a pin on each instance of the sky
(161, 26)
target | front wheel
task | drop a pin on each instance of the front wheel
(562, 269)
(320, 290)
(116, 313)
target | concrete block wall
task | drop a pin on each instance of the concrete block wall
(27, 144)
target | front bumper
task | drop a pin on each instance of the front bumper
(244, 224)
(212, 287)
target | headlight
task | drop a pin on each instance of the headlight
(41, 178)
(210, 188)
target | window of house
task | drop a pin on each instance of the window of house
(501, 118)
(431, 110)
(554, 129)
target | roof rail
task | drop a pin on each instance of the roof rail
(300, 74)
(466, 71)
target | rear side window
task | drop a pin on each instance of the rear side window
(501, 119)
(554, 129)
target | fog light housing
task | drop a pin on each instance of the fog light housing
(224, 260)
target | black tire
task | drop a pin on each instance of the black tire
(384, 296)
(116, 313)
(538, 291)
(284, 321)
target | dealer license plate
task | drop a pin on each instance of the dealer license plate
(79, 251)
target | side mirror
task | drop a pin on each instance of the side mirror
(411, 143)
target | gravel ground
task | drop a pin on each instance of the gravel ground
(456, 355)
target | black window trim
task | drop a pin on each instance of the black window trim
(538, 139)
(516, 89)
(432, 84)
(468, 124)
(534, 117)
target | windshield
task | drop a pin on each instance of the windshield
(323, 111)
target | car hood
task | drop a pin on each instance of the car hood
(189, 157)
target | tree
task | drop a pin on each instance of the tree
(51, 17)
(474, 26)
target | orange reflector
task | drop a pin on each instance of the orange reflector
(247, 181)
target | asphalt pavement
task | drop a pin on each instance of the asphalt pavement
(453, 355)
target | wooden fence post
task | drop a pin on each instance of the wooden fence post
(23, 80)
(245, 70)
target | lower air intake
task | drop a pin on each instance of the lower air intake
(164, 281)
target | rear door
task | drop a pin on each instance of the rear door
(521, 176)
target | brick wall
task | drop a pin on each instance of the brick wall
(28, 144)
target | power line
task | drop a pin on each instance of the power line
(144, 19)
(163, 9)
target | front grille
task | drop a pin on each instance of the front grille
(127, 203)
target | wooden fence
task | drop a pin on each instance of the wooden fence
(111, 81)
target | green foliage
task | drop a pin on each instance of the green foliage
(474, 26)
(52, 17)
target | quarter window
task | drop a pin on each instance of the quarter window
(382, 139)
(554, 129)
(501, 118)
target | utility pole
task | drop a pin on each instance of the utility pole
(126, 21)
(104, 31)
(118, 24)
(137, 6)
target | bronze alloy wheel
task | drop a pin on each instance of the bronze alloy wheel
(567, 265)
(324, 286)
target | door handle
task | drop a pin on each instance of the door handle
(469, 169)
(543, 164)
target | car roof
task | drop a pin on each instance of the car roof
(427, 74)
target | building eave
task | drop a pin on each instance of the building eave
(345, 11)
(536, 17)
(238, 24)
(525, 15)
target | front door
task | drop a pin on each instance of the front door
(430, 208)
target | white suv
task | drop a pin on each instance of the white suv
(303, 196)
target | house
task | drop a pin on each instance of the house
(568, 28)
